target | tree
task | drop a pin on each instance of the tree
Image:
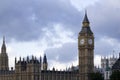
(96, 76)
(115, 75)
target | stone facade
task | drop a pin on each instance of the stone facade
(36, 69)
(106, 65)
(111, 61)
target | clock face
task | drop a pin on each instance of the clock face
(82, 41)
(90, 41)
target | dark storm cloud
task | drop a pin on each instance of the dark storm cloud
(66, 53)
(105, 19)
(24, 19)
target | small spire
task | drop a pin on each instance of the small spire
(45, 59)
(20, 58)
(32, 57)
(3, 39)
(45, 64)
(23, 59)
(3, 48)
(27, 58)
(40, 59)
(15, 60)
(53, 69)
(85, 20)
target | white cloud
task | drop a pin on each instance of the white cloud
(62, 66)
(23, 49)
(82, 4)
(56, 35)
(97, 60)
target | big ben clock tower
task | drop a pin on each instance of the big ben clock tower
(85, 50)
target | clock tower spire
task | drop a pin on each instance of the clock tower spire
(86, 50)
(85, 18)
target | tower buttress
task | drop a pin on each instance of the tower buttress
(85, 50)
(3, 57)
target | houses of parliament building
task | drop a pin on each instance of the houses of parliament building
(36, 69)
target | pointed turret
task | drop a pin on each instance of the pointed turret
(15, 60)
(40, 63)
(45, 59)
(85, 20)
(45, 64)
(85, 26)
(3, 48)
(40, 60)
(3, 57)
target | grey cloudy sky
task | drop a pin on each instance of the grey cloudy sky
(52, 26)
